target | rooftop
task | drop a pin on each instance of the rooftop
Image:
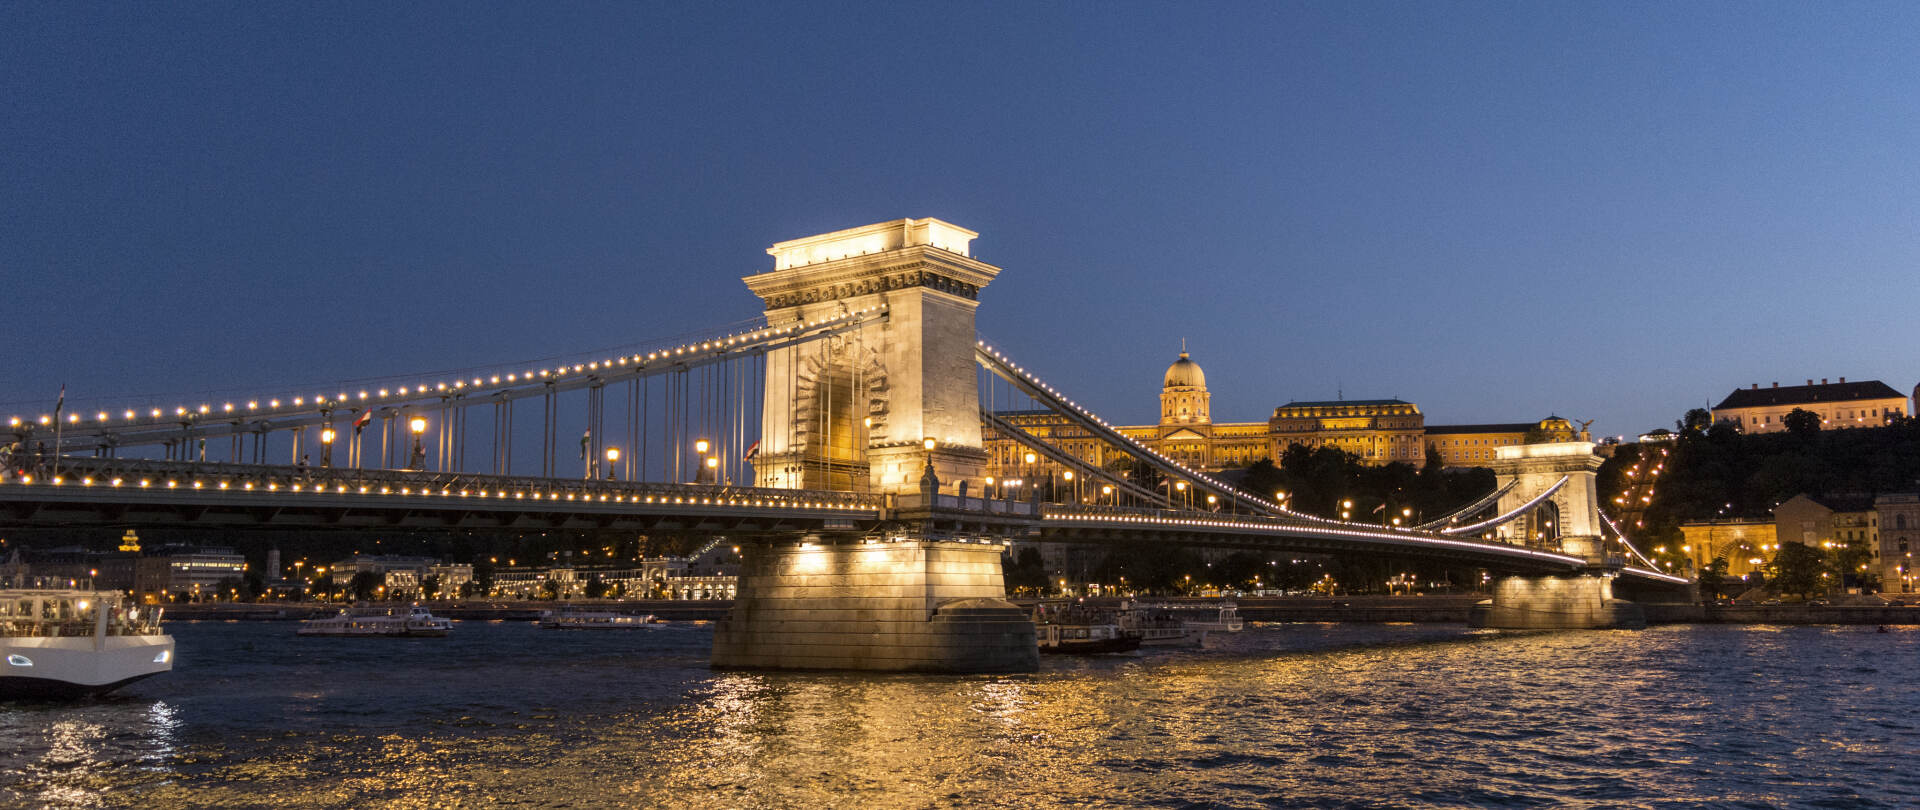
(1513, 427)
(1842, 391)
(1342, 403)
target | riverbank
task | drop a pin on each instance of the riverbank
(463, 610)
(1440, 609)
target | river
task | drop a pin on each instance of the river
(1282, 715)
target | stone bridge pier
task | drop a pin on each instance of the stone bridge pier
(892, 408)
(1568, 522)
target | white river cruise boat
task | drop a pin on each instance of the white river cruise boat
(1159, 626)
(1080, 630)
(569, 619)
(70, 641)
(379, 622)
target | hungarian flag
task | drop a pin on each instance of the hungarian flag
(752, 451)
(60, 403)
(360, 422)
(585, 439)
(1380, 508)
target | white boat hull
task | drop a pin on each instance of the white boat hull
(71, 666)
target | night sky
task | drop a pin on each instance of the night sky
(1497, 211)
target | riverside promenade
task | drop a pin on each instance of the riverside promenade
(1446, 608)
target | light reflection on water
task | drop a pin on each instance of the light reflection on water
(1293, 715)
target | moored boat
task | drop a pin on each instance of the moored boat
(1159, 627)
(379, 622)
(59, 642)
(1077, 629)
(569, 619)
(1220, 617)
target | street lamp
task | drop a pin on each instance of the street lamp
(326, 446)
(1071, 483)
(613, 457)
(1182, 486)
(418, 461)
(1106, 491)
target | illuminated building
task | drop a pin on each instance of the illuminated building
(1899, 525)
(1746, 544)
(1377, 431)
(1839, 405)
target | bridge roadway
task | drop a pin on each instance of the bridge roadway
(108, 491)
(135, 492)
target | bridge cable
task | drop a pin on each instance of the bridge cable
(1509, 517)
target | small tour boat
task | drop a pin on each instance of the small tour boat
(61, 642)
(1076, 629)
(569, 619)
(1224, 618)
(1159, 626)
(379, 622)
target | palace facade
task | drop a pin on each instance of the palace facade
(1378, 431)
(1869, 403)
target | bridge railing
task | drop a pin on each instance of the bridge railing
(1070, 511)
(190, 476)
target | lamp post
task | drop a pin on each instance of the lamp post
(1185, 502)
(1106, 491)
(326, 446)
(1029, 471)
(699, 459)
(418, 457)
(613, 458)
(1074, 485)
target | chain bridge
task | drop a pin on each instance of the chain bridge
(840, 440)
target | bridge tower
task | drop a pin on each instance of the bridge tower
(1567, 522)
(893, 408)
(853, 412)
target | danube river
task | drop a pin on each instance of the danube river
(506, 715)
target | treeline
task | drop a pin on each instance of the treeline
(1717, 472)
(1318, 481)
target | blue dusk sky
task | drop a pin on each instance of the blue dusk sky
(1495, 210)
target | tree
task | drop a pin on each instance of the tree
(430, 586)
(483, 576)
(550, 588)
(1797, 568)
(1695, 422)
(1712, 576)
(1026, 573)
(1852, 562)
(324, 585)
(596, 587)
(1801, 422)
(363, 584)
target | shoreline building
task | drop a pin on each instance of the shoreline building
(1869, 403)
(1899, 526)
(1378, 431)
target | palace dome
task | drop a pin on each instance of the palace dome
(1184, 373)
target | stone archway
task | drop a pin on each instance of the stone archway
(840, 409)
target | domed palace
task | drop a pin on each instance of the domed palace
(1378, 431)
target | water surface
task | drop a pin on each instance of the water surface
(1307, 715)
